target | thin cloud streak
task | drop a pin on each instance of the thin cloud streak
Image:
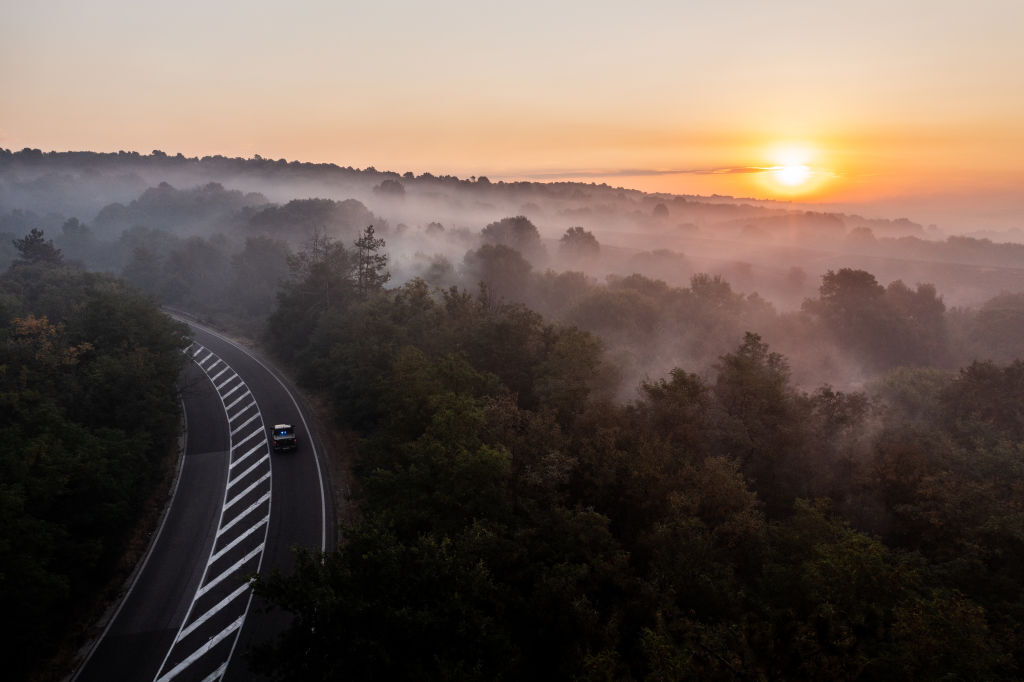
(650, 172)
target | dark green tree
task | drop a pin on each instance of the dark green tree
(35, 248)
(371, 263)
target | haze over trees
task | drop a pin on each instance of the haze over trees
(603, 434)
(518, 522)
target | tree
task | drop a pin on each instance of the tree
(516, 233)
(500, 268)
(921, 315)
(256, 273)
(853, 307)
(390, 188)
(371, 264)
(757, 417)
(319, 282)
(578, 244)
(997, 331)
(34, 248)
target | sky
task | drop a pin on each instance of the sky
(867, 101)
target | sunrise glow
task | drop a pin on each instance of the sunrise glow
(812, 123)
(793, 175)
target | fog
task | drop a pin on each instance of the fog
(664, 280)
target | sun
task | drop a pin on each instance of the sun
(792, 175)
(794, 170)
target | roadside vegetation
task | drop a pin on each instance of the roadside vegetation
(88, 413)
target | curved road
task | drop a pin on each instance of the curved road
(237, 509)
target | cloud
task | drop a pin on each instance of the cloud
(648, 172)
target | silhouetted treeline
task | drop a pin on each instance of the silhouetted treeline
(88, 411)
(518, 523)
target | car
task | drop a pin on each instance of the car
(283, 438)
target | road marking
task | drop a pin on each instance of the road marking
(241, 410)
(257, 432)
(238, 400)
(248, 471)
(227, 381)
(213, 611)
(284, 386)
(248, 421)
(234, 543)
(201, 651)
(216, 674)
(242, 515)
(248, 490)
(223, 396)
(242, 458)
(229, 571)
(229, 519)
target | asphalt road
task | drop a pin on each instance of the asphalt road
(238, 509)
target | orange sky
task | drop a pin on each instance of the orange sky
(885, 98)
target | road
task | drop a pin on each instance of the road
(237, 509)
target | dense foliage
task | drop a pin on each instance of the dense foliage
(526, 511)
(88, 407)
(517, 523)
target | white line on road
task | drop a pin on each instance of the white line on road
(242, 458)
(248, 421)
(227, 381)
(214, 610)
(227, 572)
(248, 471)
(198, 653)
(257, 432)
(216, 674)
(224, 396)
(238, 400)
(242, 515)
(241, 411)
(234, 543)
(236, 498)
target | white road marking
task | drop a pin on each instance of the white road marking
(227, 381)
(242, 458)
(248, 421)
(254, 433)
(234, 543)
(228, 521)
(238, 400)
(248, 471)
(216, 674)
(227, 572)
(236, 498)
(242, 515)
(201, 651)
(213, 611)
(241, 411)
(223, 396)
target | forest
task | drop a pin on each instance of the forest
(602, 434)
(89, 412)
(517, 521)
